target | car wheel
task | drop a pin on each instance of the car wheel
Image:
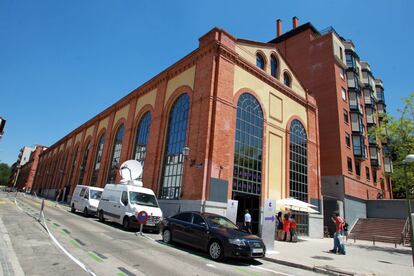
(72, 208)
(101, 216)
(215, 251)
(166, 236)
(85, 212)
(125, 223)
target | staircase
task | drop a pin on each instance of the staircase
(381, 230)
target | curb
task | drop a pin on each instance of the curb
(308, 268)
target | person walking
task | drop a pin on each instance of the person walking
(293, 225)
(248, 221)
(279, 226)
(286, 226)
(339, 247)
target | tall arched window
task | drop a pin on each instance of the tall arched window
(116, 155)
(175, 142)
(82, 168)
(260, 62)
(141, 139)
(247, 171)
(273, 66)
(286, 79)
(298, 170)
(72, 167)
(98, 158)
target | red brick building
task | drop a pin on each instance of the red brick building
(26, 172)
(351, 103)
(244, 118)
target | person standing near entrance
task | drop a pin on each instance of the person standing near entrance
(248, 221)
(339, 246)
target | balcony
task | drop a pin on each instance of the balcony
(388, 168)
(372, 140)
(371, 119)
(374, 156)
(359, 148)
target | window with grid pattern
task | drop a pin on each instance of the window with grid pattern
(116, 155)
(175, 142)
(82, 168)
(247, 171)
(141, 139)
(98, 157)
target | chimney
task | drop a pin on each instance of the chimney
(295, 22)
(278, 28)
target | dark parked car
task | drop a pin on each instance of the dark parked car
(212, 233)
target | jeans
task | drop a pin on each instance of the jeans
(338, 247)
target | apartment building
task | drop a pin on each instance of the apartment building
(354, 164)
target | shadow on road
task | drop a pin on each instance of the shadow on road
(200, 253)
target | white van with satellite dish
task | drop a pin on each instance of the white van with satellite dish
(122, 202)
(85, 199)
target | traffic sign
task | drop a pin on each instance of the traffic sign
(142, 217)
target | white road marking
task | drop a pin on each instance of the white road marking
(270, 270)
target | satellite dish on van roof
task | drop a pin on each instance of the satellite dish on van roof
(130, 170)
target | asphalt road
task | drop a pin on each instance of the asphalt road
(107, 249)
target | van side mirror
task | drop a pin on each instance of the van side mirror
(125, 202)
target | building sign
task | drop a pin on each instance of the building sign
(268, 227)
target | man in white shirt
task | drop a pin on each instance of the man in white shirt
(248, 221)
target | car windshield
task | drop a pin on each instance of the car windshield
(142, 199)
(219, 221)
(95, 194)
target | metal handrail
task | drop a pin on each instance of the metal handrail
(405, 232)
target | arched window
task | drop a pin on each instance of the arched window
(286, 79)
(298, 170)
(247, 171)
(72, 166)
(141, 139)
(273, 66)
(260, 62)
(82, 168)
(116, 155)
(98, 158)
(175, 142)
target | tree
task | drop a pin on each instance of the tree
(400, 135)
(5, 172)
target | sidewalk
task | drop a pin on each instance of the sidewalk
(362, 258)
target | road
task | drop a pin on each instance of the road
(107, 249)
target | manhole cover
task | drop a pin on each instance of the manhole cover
(322, 258)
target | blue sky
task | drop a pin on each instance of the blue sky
(62, 62)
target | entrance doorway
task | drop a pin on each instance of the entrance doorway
(252, 203)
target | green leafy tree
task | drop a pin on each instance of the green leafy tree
(400, 135)
(5, 172)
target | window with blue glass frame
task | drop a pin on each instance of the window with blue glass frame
(82, 168)
(175, 142)
(247, 171)
(141, 139)
(298, 171)
(116, 155)
(273, 66)
(286, 79)
(98, 158)
(260, 62)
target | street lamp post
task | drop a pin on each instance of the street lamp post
(409, 159)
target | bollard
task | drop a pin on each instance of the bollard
(41, 209)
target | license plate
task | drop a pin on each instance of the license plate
(257, 250)
(150, 224)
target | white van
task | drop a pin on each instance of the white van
(122, 202)
(85, 199)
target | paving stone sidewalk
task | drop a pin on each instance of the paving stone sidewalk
(362, 258)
